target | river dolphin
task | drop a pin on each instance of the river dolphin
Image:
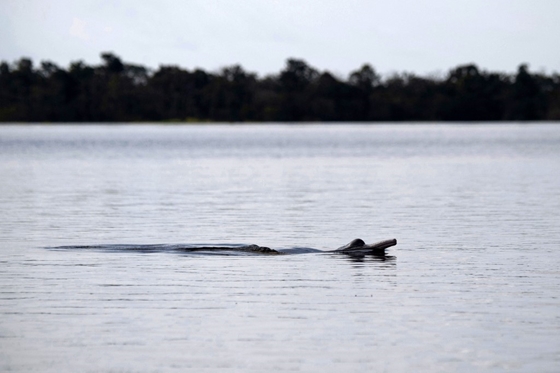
(354, 247)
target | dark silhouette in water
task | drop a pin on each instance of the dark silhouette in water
(356, 247)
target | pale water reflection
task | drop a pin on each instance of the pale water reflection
(472, 285)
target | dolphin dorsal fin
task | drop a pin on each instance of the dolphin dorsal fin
(358, 242)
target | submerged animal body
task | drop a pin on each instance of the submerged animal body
(256, 249)
(355, 247)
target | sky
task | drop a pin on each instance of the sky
(426, 37)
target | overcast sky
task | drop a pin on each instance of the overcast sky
(420, 36)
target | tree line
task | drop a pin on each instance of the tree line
(115, 91)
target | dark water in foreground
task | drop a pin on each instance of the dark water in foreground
(473, 284)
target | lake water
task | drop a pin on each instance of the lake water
(473, 284)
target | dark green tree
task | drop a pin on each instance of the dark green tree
(119, 91)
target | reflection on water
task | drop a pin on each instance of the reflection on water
(475, 209)
(373, 258)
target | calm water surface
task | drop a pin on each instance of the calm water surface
(473, 284)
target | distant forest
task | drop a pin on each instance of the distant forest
(120, 92)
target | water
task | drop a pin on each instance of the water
(473, 284)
